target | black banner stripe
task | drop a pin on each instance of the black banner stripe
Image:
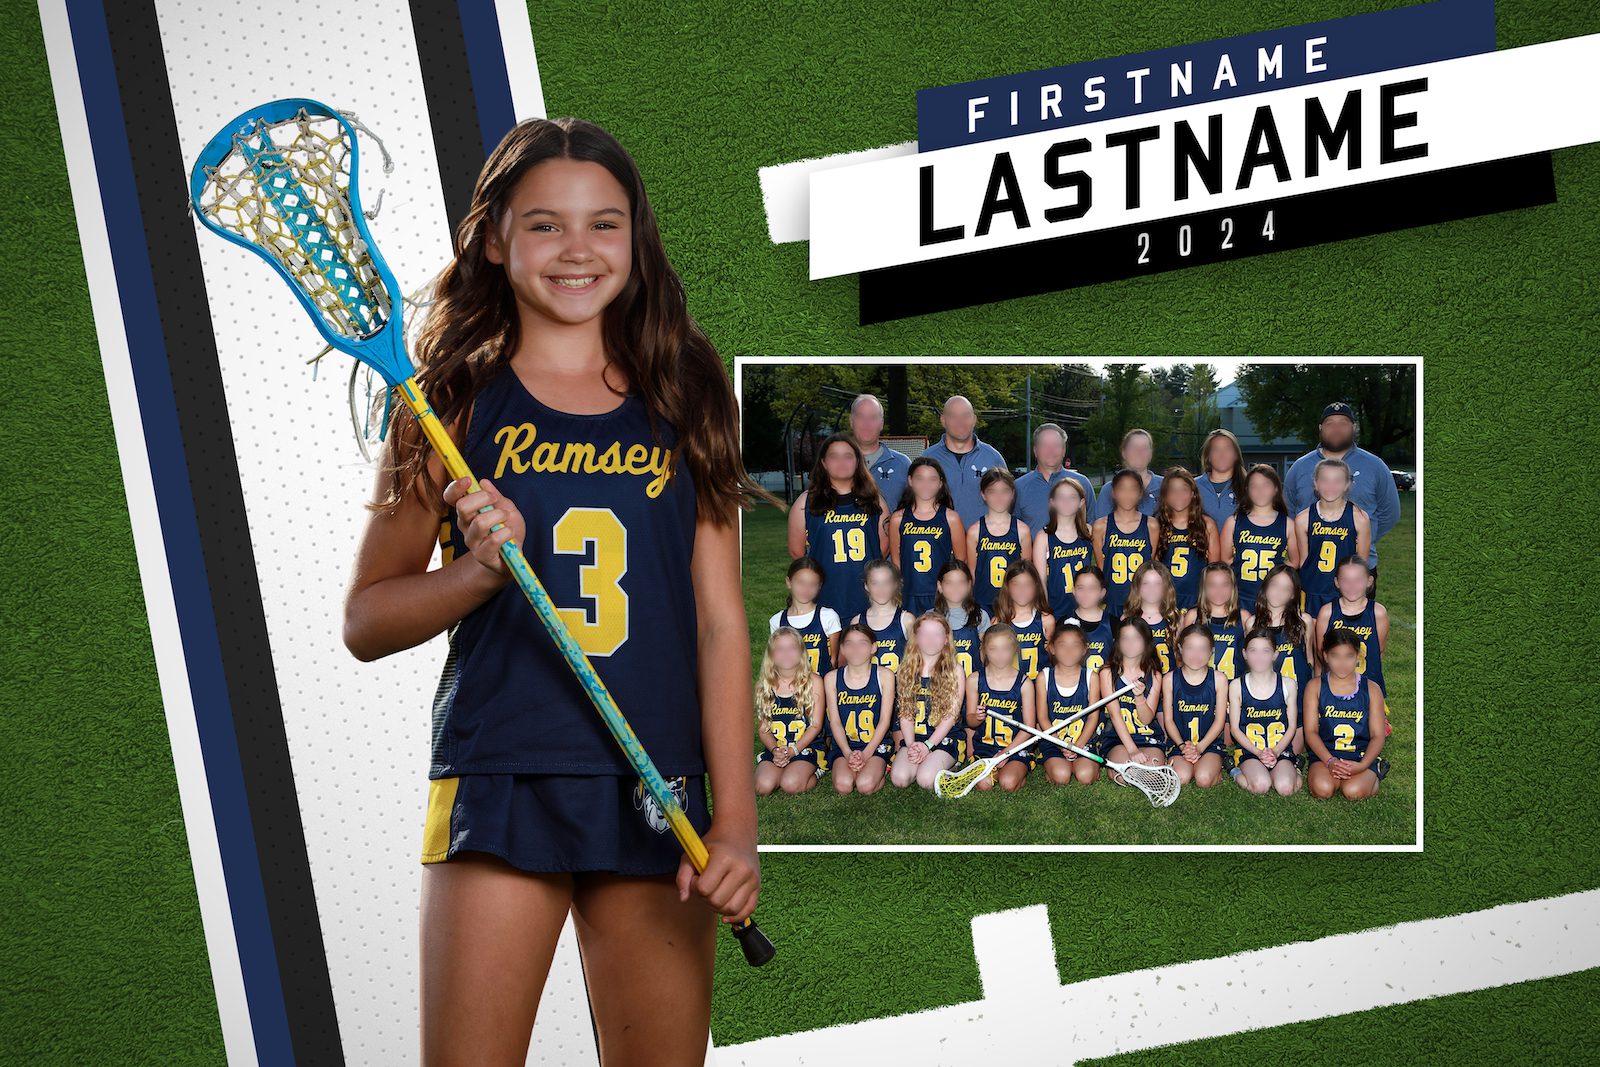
(452, 108)
(1062, 263)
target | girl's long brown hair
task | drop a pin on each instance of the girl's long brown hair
(908, 497)
(1294, 623)
(1238, 460)
(1149, 662)
(1134, 608)
(472, 329)
(1270, 473)
(1195, 517)
(1005, 608)
(1080, 521)
(1230, 617)
(820, 493)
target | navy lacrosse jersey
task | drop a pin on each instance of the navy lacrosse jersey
(1256, 550)
(1364, 624)
(1032, 654)
(929, 719)
(1161, 633)
(1063, 561)
(1145, 734)
(1345, 722)
(1290, 661)
(788, 725)
(1097, 638)
(925, 546)
(1061, 705)
(991, 735)
(1185, 565)
(1264, 720)
(890, 641)
(964, 642)
(1227, 648)
(1326, 544)
(994, 555)
(860, 710)
(1194, 709)
(815, 638)
(843, 540)
(1124, 553)
(610, 514)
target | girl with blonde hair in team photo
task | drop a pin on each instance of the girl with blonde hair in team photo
(1021, 604)
(1000, 686)
(1260, 535)
(1153, 599)
(788, 717)
(1069, 685)
(1194, 701)
(1333, 528)
(1187, 539)
(1264, 712)
(1224, 616)
(1064, 547)
(860, 703)
(929, 690)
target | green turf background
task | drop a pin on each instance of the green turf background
(103, 957)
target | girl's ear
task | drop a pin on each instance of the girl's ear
(493, 250)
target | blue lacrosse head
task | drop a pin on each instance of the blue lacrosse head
(281, 180)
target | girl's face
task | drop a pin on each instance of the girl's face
(1138, 452)
(1088, 592)
(840, 462)
(931, 639)
(1223, 456)
(1262, 491)
(1000, 652)
(1180, 496)
(1219, 587)
(1130, 645)
(1332, 483)
(1068, 651)
(1279, 591)
(1342, 660)
(1352, 582)
(1196, 652)
(565, 240)
(1126, 493)
(925, 483)
(786, 654)
(857, 648)
(1259, 655)
(880, 585)
(1151, 588)
(954, 587)
(1066, 501)
(1024, 591)
(1000, 496)
(804, 586)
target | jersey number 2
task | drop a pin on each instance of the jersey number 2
(600, 627)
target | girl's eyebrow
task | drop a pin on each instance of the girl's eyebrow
(557, 214)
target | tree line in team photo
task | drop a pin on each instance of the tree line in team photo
(942, 610)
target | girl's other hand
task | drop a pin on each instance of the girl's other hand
(731, 882)
(477, 525)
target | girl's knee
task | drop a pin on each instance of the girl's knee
(1205, 778)
(986, 783)
(1086, 772)
(1288, 788)
(1322, 786)
(1058, 771)
(844, 784)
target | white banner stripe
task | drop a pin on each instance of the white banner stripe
(1477, 108)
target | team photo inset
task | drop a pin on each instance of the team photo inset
(1063, 603)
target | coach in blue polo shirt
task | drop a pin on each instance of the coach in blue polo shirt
(1033, 488)
(1371, 487)
(963, 457)
(1138, 448)
(888, 467)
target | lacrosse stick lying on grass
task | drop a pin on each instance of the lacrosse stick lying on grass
(952, 785)
(1159, 784)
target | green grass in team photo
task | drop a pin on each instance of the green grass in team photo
(1105, 814)
(104, 957)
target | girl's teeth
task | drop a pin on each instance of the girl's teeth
(574, 283)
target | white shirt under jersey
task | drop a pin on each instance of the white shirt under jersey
(830, 621)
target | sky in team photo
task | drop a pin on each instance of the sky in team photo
(1200, 578)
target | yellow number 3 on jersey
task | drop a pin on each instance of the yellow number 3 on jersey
(603, 631)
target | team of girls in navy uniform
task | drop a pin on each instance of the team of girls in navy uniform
(1204, 598)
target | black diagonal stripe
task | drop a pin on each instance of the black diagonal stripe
(161, 176)
(452, 110)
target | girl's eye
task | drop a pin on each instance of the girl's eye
(544, 227)
(605, 225)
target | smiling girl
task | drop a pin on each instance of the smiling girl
(1220, 611)
(1186, 537)
(1195, 702)
(1123, 540)
(860, 697)
(1264, 710)
(560, 354)
(1259, 536)
(1064, 547)
(1154, 600)
(999, 686)
(1066, 688)
(1332, 528)
(818, 626)
(924, 532)
(1345, 725)
(1021, 604)
(930, 691)
(960, 609)
(999, 538)
(788, 717)
(839, 522)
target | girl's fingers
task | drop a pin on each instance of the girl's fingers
(685, 878)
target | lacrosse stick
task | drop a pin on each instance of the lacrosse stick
(953, 785)
(1159, 784)
(281, 180)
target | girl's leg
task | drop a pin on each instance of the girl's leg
(1320, 781)
(798, 777)
(1286, 778)
(1184, 769)
(1208, 772)
(647, 960)
(1086, 771)
(936, 762)
(1359, 786)
(1012, 775)
(1118, 754)
(902, 772)
(870, 778)
(1060, 771)
(844, 779)
(1254, 777)
(985, 783)
(1151, 757)
(488, 935)
(768, 775)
